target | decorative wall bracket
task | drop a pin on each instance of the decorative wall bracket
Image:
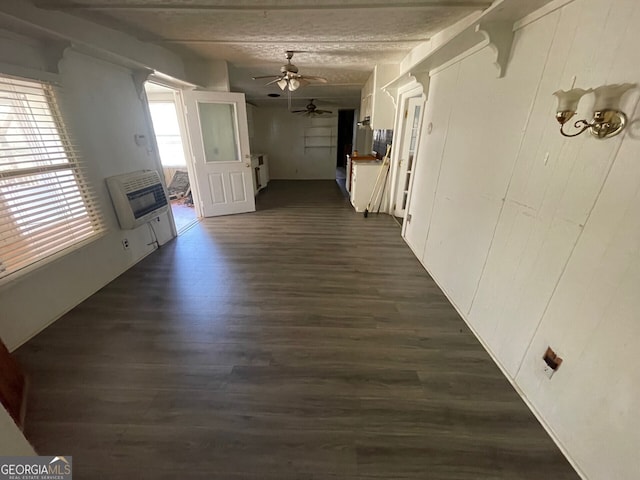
(392, 92)
(424, 79)
(421, 77)
(492, 27)
(140, 77)
(54, 51)
(500, 38)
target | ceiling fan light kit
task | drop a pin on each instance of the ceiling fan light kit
(292, 84)
(289, 79)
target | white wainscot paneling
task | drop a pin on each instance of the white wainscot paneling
(429, 157)
(525, 262)
(554, 186)
(563, 262)
(592, 323)
(478, 161)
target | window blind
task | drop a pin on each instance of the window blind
(46, 203)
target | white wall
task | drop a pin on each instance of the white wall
(103, 107)
(12, 442)
(536, 238)
(105, 111)
(210, 74)
(88, 36)
(281, 135)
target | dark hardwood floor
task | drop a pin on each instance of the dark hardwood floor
(302, 341)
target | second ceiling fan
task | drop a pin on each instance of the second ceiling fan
(311, 110)
(289, 79)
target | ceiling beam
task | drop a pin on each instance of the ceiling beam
(281, 41)
(195, 8)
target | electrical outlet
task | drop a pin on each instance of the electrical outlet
(125, 244)
(548, 371)
(551, 362)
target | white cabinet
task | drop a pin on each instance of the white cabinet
(375, 103)
(363, 179)
(366, 98)
(351, 161)
(260, 168)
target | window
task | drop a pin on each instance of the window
(167, 130)
(46, 205)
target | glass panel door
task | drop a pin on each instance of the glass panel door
(219, 134)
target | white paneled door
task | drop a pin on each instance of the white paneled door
(217, 124)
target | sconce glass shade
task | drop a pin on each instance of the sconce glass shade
(568, 103)
(608, 96)
(568, 100)
(282, 83)
(294, 84)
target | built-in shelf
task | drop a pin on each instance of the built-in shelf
(494, 27)
(319, 136)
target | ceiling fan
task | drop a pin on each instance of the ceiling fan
(311, 110)
(289, 79)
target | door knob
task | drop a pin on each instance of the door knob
(247, 165)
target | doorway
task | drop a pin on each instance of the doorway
(172, 149)
(408, 145)
(345, 145)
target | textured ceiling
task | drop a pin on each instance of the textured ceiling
(341, 40)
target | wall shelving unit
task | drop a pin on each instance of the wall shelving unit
(321, 134)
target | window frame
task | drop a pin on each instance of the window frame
(80, 186)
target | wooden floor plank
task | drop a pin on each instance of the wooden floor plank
(301, 341)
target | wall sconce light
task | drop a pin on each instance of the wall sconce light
(608, 121)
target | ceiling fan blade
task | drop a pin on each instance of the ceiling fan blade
(275, 80)
(298, 111)
(312, 78)
(323, 111)
(266, 76)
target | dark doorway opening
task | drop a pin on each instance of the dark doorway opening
(345, 136)
(345, 145)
